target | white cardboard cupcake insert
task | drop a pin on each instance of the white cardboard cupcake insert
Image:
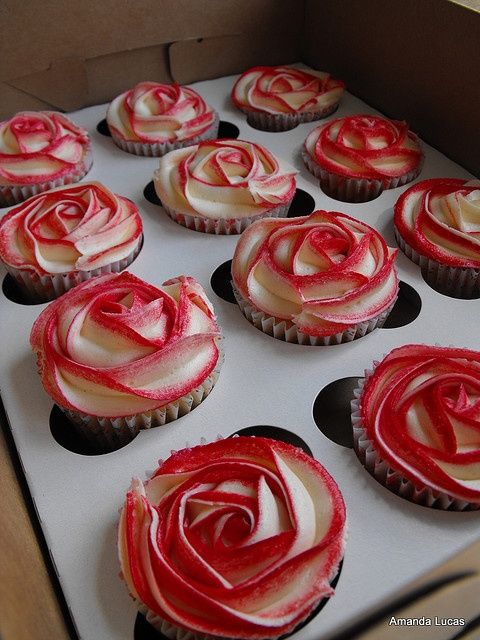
(263, 381)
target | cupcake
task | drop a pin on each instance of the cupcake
(416, 425)
(321, 279)
(40, 150)
(280, 98)
(357, 157)
(64, 236)
(437, 225)
(152, 119)
(222, 186)
(235, 539)
(118, 355)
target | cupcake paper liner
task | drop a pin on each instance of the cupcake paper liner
(285, 121)
(354, 189)
(48, 287)
(221, 226)
(388, 477)
(14, 194)
(458, 282)
(286, 330)
(109, 434)
(158, 149)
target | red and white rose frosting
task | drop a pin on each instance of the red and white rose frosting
(237, 538)
(118, 346)
(153, 112)
(440, 219)
(224, 179)
(41, 146)
(365, 146)
(421, 411)
(76, 228)
(324, 272)
(285, 90)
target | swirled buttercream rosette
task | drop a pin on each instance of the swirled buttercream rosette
(321, 279)
(416, 425)
(357, 157)
(152, 119)
(64, 236)
(280, 98)
(234, 539)
(40, 150)
(118, 354)
(222, 186)
(437, 225)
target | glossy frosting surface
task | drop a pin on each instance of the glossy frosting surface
(282, 89)
(237, 538)
(440, 219)
(117, 346)
(224, 179)
(365, 146)
(76, 228)
(153, 112)
(324, 272)
(421, 411)
(40, 146)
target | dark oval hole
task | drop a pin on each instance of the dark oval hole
(221, 282)
(67, 436)
(406, 308)
(228, 130)
(332, 413)
(276, 433)
(473, 294)
(15, 293)
(102, 128)
(303, 204)
(150, 194)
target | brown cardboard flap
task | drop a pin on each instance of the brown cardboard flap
(207, 58)
(414, 61)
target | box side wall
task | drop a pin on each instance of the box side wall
(414, 61)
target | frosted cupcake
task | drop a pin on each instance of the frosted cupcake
(40, 150)
(61, 237)
(118, 355)
(222, 186)
(280, 98)
(357, 157)
(416, 421)
(318, 280)
(152, 119)
(437, 225)
(235, 539)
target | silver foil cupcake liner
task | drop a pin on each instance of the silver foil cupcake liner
(354, 189)
(14, 194)
(158, 149)
(388, 477)
(285, 121)
(457, 282)
(48, 287)
(109, 434)
(220, 226)
(287, 331)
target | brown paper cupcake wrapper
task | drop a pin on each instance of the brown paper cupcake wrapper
(51, 286)
(108, 434)
(388, 477)
(14, 194)
(458, 282)
(158, 149)
(287, 331)
(285, 121)
(354, 189)
(221, 226)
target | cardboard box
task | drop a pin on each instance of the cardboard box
(412, 60)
